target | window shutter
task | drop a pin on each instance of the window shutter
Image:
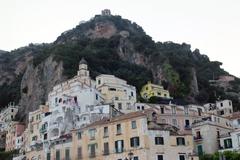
(132, 142)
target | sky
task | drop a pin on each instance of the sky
(212, 26)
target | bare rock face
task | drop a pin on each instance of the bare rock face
(127, 52)
(194, 90)
(37, 83)
(102, 30)
(12, 66)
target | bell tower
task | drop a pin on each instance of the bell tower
(83, 68)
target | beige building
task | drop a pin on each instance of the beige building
(207, 133)
(34, 144)
(117, 92)
(14, 131)
(223, 108)
(131, 136)
(179, 116)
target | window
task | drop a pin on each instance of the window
(75, 99)
(222, 112)
(159, 93)
(134, 142)
(162, 110)
(120, 106)
(67, 154)
(180, 141)
(221, 104)
(106, 148)
(159, 157)
(187, 123)
(186, 110)
(174, 122)
(218, 134)
(48, 156)
(159, 141)
(112, 89)
(181, 157)
(57, 155)
(199, 112)
(128, 106)
(96, 96)
(79, 152)
(132, 94)
(119, 129)
(238, 136)
(135, 158)
(230, 103)
(238, 121)
(99, 81)
(105, 131)
(199, 149)
(134, 125)
(92, 150)
(79, 135)
(34, 138)
(119, 145)
(92, 133)
(228, 143)
(45, 136)
(173, 110)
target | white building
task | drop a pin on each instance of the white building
(19, 142)
(222, 108)
(72, 104)
(230, 141)
(8, 114)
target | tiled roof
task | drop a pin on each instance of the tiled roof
(120, 118)
(235, 115)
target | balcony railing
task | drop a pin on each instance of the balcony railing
(92, 155)
(43, 130)
(198, 138)
(188, 127)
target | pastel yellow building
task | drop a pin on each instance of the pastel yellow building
(135, 136)
(34, 149)
(152, 90)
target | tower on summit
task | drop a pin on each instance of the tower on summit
(106, 12)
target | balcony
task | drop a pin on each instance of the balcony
(198, 138)
(92, 155)
(188, 127)
(43, 130)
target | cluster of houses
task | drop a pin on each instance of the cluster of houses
(101, 119)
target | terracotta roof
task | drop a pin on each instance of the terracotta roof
(235, 115)
(120, 118)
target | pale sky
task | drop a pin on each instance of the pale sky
(213, 26)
